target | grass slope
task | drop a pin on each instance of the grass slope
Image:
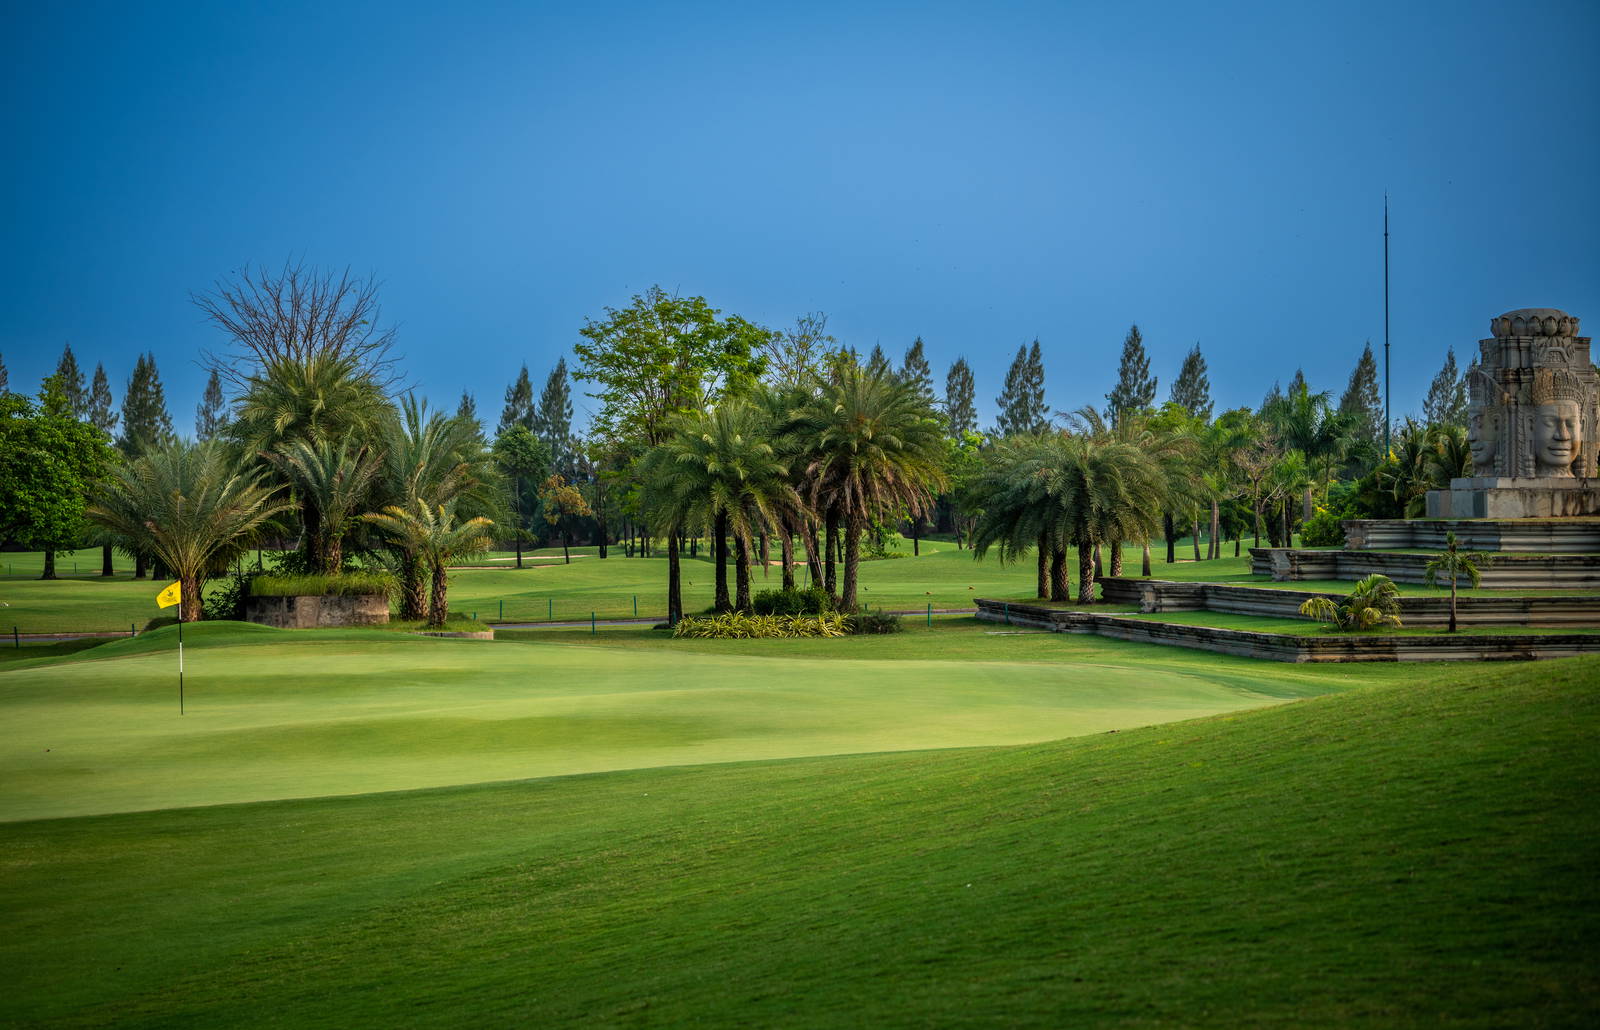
(1413, 854)
(275, 714)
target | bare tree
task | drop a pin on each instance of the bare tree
(795, 357)
(298, 315)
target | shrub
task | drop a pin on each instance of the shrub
(872, 622)
(1322, 530)
(738, 626)
(1372, 604)
(322, 586)
(227, 601)
(812, 601)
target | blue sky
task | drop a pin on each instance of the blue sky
(978, 175)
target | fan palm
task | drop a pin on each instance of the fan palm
(432, 532)
(878, 448)
(190, 506)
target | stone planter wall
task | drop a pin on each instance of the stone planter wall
(1507, 571)
(317, 611)
(1538, 536)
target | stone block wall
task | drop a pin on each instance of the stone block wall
(318, 611)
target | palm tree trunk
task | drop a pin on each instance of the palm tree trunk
(413, 588)
(830, 553)
(1452, 604)
(1306, 506)
(1060, 588)
(141, 565)
(674, 588)
(1288, 537)
(1145, 570)
(1042, 586)
(439, 610)
(719, 543)
(1116, 557)
(333, 560)
(1238, 540)
(190, 605)
(741, 568)
(852, 561)
(786, 553)
(49, 563)
(105, 561)
(1194, 528)
(566, 546)
(1086, 552)
(808, 539)
(1172, 537)
(914, 551)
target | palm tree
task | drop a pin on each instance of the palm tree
(1109, 489)
(719, 470)
(1019, 509)
(190, 506)
(322, 396)
(332, 481)
(432, 532)
(1455, 563)
(1374, 602)
(1309, 423)
(1173, 447)
(878, 448)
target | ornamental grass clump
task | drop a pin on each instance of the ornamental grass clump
(348, 583)
(1374, 603)
(739, 626)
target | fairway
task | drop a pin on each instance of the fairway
(272, 714)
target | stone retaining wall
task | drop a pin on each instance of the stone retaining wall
(1506, 571)
(1284, 647)
(1555, 536)
(316, 611)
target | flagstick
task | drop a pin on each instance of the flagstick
(180, 658)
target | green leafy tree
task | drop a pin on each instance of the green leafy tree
(797, 358)
(1136, 387)
(1453, 564)
(210, 414)
(562, 503)
(1374, 602)
(1191, 391)
(960, 407)
(524, 461)
(192, 506)
(49, 465)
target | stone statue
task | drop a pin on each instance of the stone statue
(1533, 423)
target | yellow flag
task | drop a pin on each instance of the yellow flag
(170, 596)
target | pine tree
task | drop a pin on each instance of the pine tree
(1136, 387)
(1298, 383)
(877, 362)
(959, 405)
(915, 369)
(519, 404)
(208, 414)
(1021, 403)
(1361, 397)
(5, 379)
(1273, 398)
(553, 422)
(468, 408)
(1446, 403)
(1192, 389)
(70, 376)
(145, 421)
(100, 414)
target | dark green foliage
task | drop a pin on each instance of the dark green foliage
(49, 462)
(209, 417)
(69, 380)
(811, 601)
(916, 371)
(877, 361)
(345, 584)
(145, 421)
(1322, 530)
(1021, 403)
(227, 600)
(519, 404)
(5, 378)
(1192, 389)
(870, 622)
(468, 408)
(960, 407)
(552, 421)
(100, 414)
(1136, 387)
(1446, 403)
(1361, 398)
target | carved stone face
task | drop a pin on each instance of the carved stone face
(1555, 437)
(1483, 435)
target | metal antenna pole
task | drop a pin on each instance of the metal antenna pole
(1387, 419)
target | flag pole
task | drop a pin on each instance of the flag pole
(180, 658)
(1386, 415)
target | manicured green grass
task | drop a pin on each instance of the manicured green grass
(275, 714)
(1413, 854)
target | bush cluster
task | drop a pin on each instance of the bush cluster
(739, 626)
(1322, 529)
(872, 622)
(812, 601)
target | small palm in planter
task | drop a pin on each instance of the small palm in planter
(1373, 603)
(1455, 563)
